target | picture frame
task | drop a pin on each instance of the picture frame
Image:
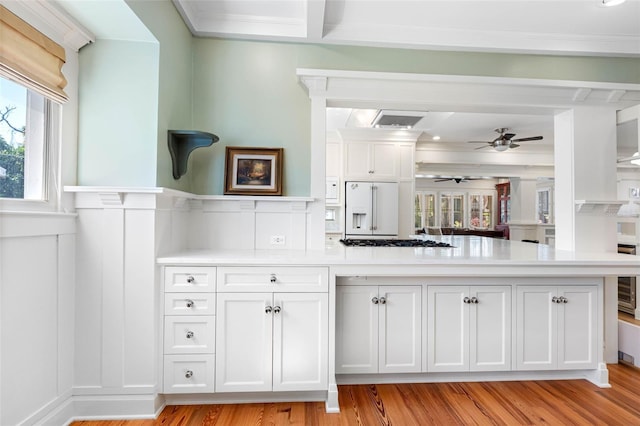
(253, 171)
(634, 193)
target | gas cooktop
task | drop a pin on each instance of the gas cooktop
(356, 242)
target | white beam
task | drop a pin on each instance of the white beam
(315, 20)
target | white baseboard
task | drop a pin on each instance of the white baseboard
(114, 407)
(245, 397)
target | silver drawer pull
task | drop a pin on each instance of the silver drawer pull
(188, 374)
(474, 300)
(273, 278)
(190, 334)
(375, 300)
(466, 300)
(554, 299)
(190, 279)
(189, 303)
(563, 300)
(267, 309)
(383, 300)
(276, 309)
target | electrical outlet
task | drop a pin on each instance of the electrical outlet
(277, 240)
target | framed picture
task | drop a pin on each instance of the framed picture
(634, 193)
(253, 171)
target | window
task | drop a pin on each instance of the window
(425, 210)
(480, 211)
(31, 89)
(451, 210)
(23, 153)
(544, 212)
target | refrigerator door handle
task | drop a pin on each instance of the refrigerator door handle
(374, 205)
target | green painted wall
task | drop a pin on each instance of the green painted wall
(117, 114)
(175, 85)
(248, 94)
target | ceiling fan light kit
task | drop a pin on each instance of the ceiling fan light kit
(505, 141)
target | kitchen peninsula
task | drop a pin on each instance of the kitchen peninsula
(245, 325)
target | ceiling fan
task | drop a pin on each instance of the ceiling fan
(454, 179)
(505, 140)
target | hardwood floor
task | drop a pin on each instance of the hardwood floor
(575, 402)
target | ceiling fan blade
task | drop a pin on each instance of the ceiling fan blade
(480, 147)
(532, 138)
(513, 145)
(508, 136)
(479, 142)
(441, 180)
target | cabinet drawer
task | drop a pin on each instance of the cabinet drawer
(189, 279)
(273, 279)
(188, 373)
(189, 304)
(189, 334)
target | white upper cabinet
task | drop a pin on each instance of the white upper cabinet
(371, 160)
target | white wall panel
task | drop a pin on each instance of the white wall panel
(36, 317)
(140, 300)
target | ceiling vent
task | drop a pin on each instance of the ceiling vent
(397, 119)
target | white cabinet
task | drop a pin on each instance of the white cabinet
(378, 329)
(371, 160)
(468, 328)
(189, 329)
(272, 329)
(556, 327)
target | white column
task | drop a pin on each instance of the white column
(523, 223)
(585, 169)
(315, 229)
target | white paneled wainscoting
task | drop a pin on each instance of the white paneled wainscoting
(37, 257)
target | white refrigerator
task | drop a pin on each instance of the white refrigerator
(371, 209)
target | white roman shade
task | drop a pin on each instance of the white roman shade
(30, 58)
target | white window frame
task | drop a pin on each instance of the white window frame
(41, 162)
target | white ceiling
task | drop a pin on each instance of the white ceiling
(583, 27)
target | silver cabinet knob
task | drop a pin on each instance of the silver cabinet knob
(189, 335)
(563, 300)
(267, 309)
(383, 300)
(190, 279)
(375, 300)
(277, 309)
(554, 299)
(474, 300)
(466, 300)
(370, 172)
(273, 278)
(188, 374)
(189, 303)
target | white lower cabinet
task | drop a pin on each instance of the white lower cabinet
(378, 329)
(271, 342)
(557, 327)
(189, 329)
(468, 328)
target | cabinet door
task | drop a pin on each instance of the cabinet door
(448, 328)
(536, 323)
(356, 161)
(244, 342)
(490, 328)
(356, 329)
(400, 329)
(300, 341)
(383, 158)
(577, 327)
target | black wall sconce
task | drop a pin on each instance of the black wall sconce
(182, 143)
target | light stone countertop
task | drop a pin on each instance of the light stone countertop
(469, 256)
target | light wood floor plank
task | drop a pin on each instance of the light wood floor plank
(562, 402)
